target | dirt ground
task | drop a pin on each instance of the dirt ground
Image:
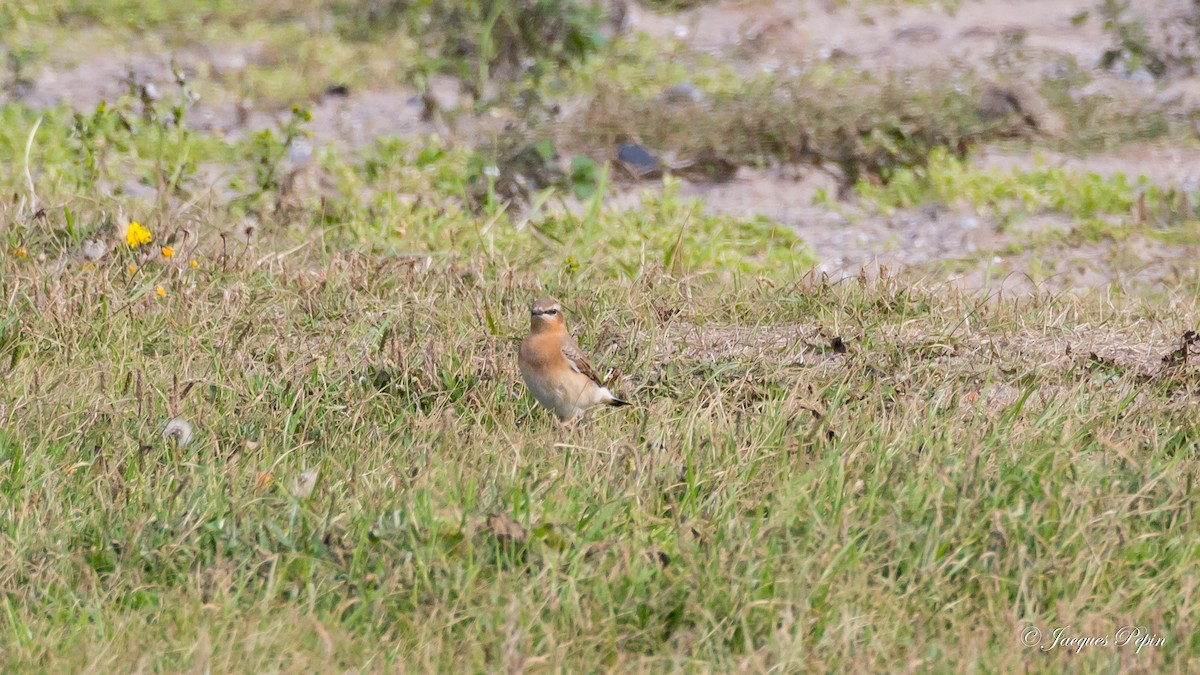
(989, 37)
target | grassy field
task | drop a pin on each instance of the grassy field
(277, 426)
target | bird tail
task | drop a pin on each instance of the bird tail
(617, 403)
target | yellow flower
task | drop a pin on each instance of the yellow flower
(160, 291)
(132, 269)
(168, 252)
(136, 235)
(20, 252)
(193, 263)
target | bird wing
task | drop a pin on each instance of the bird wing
(579, 362)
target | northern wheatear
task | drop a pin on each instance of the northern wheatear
(555, 369)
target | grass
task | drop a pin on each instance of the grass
(862, 123)
(1097, 203)
(769, 503)
(951, 181)
(850, 120)
(876, 474)
(1102, 213)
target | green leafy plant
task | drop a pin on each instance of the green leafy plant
(483, 40)
(266, 150)
(948, 180)
(1133, 49)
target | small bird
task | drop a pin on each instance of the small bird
(555, 369)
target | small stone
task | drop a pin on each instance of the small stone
(638, 160)
(685, 92)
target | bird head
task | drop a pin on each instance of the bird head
(545, 314)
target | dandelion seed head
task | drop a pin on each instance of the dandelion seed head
(246, 229)
(303, 486)
(179, 430)
(93, 249)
